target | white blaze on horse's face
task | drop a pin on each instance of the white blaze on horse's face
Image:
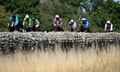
(12, 24)
(57, 22)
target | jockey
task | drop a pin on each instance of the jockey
(84, 27)
(35, 24)
(57, 22)
(13, 22)
(108, 26)
(85, 22)
(72, 25)
(27, 23)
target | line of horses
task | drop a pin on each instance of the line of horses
(21, 28)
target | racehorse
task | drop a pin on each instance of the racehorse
(11, 26)
(58, 27)
(34, 28)
(82, 28)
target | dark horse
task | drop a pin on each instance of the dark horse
(58, 27)
(33, 26)
(82, 28)
(11, 26)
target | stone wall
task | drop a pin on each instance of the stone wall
(57, 40)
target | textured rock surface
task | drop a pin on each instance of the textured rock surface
(55, 40)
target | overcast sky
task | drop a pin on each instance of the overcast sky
(116, 0)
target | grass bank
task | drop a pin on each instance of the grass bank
(87, 61)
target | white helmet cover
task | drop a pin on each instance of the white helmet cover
(83, 19)
(108, 22)
(71, 20)
(26, 16)
(57, 16)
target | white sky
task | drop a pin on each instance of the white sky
(116, 0)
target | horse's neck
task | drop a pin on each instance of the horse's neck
(26, 23)
(33, 23)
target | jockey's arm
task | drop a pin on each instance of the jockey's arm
(74, 25)
(24, 21)
(88, 24)
(30, 21)
(37, 23)
(17, 21)
(61, 21)
(111, 28)
(105, 27)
